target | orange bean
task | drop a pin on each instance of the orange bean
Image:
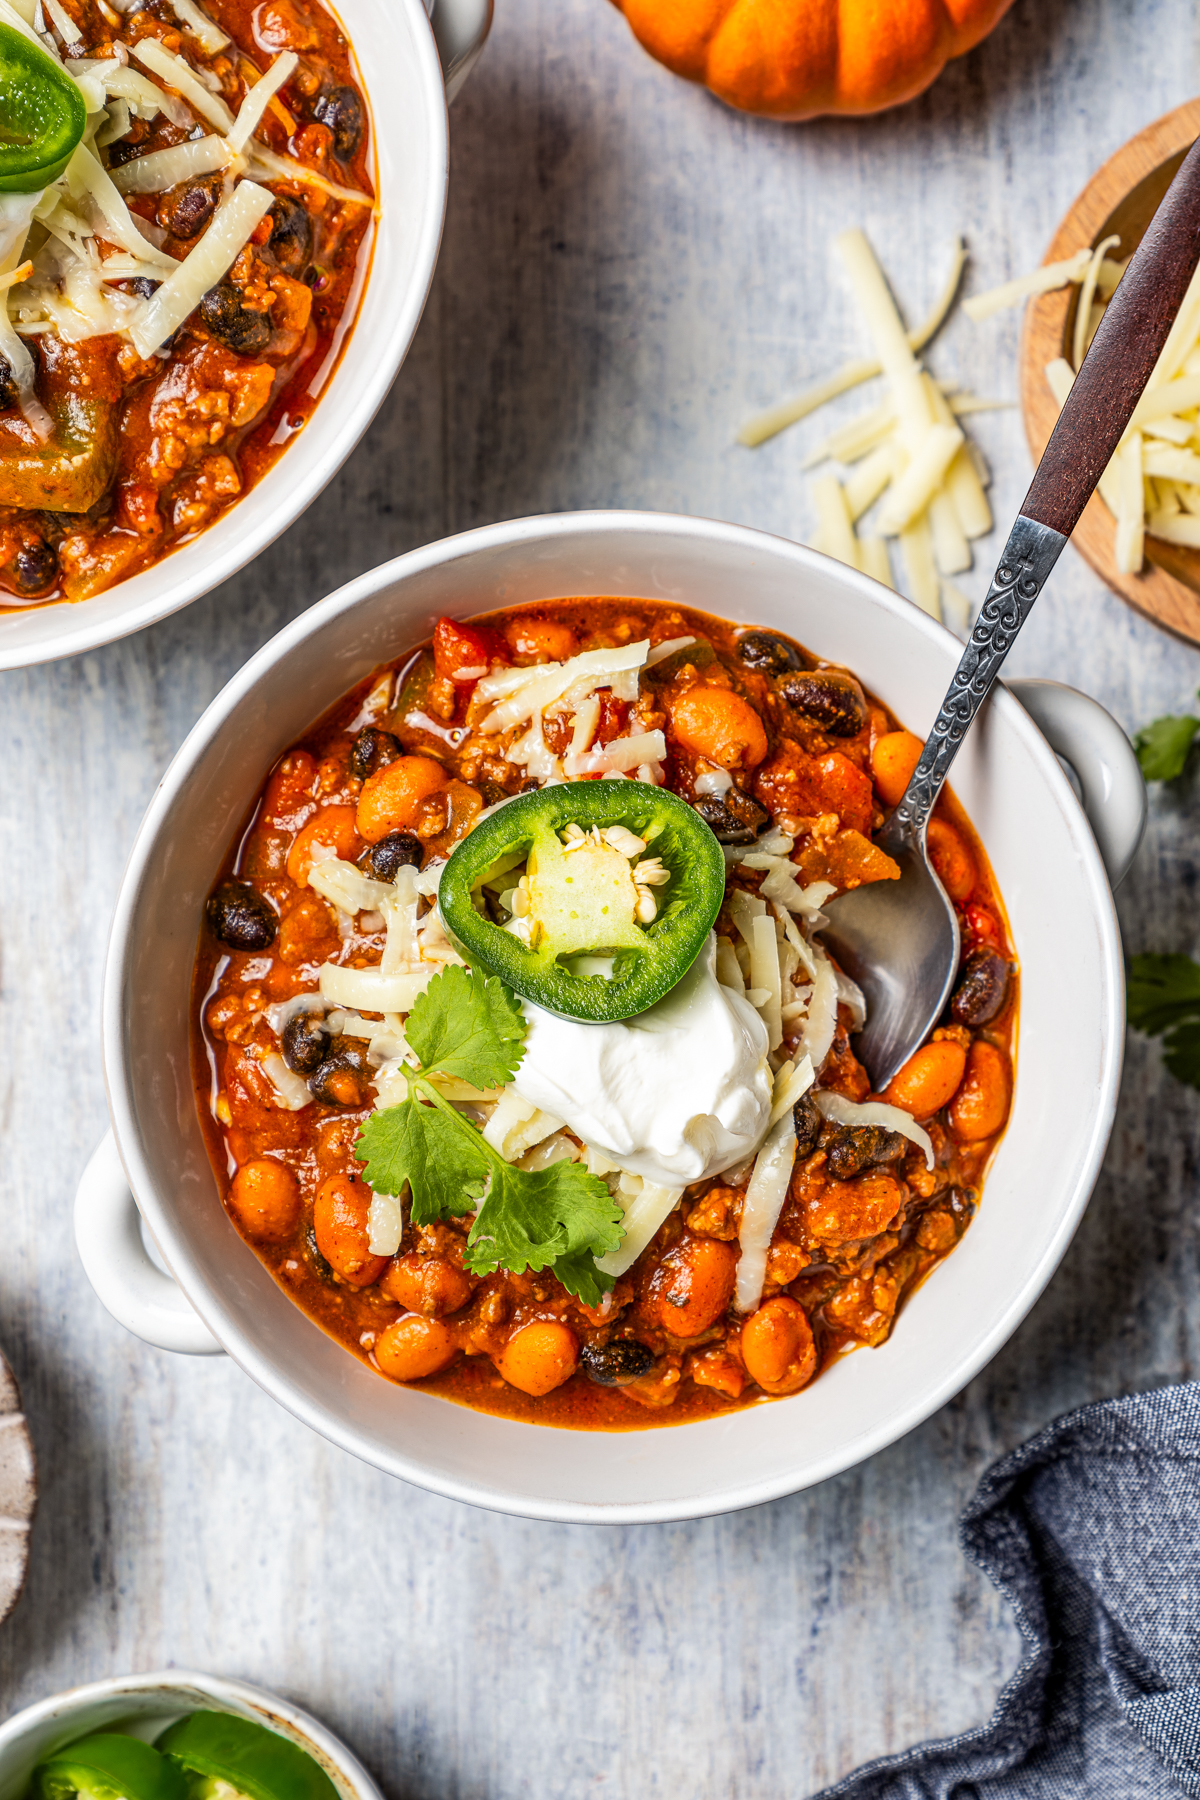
(777, 1346)
(391, 798)
(541, 640)
(427, 1284)
(692, 1285)
(951, 858)
(340, 1227)
(980, 1107)
(413, 1347)
(539, 1357)
(265, 1197)
(333, 827)
(720, 726)
(895, 756)
(928, 1079)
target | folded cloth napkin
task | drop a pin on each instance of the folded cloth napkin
(1092, 1531)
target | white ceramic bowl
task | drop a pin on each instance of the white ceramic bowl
(1050, 873)
(144, 1705)
(393, 39)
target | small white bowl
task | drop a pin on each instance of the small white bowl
(399, 66)
(144, 1705)
(18, 1492)
(1051, 875)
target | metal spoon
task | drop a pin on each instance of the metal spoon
(900, 939)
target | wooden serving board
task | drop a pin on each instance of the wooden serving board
(1121, 197)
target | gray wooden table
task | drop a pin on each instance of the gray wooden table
(627, 269)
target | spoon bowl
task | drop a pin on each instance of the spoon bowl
(915, 918)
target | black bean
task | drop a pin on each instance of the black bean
(186, 211)
(142, 286)
(34, 567)
(615, 1363)
(342, 111)
(492, 793)
(8, 387)
(314, 1256)
(242, 917)
(834, 702)
(982, 988)
(328, 1082)
(808, 1120)
(733, 817)
(291, 239)
(399, 849)
(859, 1147)
(240, 328)
(305, 1043)
(122, 152)
(773, 655)
(371, 750)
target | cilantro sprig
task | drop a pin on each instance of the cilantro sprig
(1163, 1000)
(1164, 745)
(470, 1026)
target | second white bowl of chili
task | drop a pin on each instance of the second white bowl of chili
(1048, 869)
(166, 517)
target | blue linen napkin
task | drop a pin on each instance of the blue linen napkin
(1092, 1532)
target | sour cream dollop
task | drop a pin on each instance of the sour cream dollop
(675, 1095)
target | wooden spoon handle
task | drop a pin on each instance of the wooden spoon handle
(1121, 360)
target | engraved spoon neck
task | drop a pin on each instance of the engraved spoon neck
(1023, 570)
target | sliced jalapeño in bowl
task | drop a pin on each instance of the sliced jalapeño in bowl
(42, 115)
(107, 1765)
(226, 1757)
(590, 898)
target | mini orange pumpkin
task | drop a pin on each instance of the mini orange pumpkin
(795, 59)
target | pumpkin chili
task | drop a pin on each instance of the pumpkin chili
(175, 294)
(323, 943)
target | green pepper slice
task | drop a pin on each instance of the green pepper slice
(108, 1766)
(605, 927)
(42, 115)
(223, 1748)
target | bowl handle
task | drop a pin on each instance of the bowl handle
(460, 28)
(1079, 730)
(116, 1261)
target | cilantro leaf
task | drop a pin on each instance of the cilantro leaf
(446, 1168)
(1163, 746)
(1163, 999)
(534, 1219)
(1162, 990)
(1181, 1052)
(470, 1025)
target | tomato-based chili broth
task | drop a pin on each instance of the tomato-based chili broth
(148, 451)
(865, 1220)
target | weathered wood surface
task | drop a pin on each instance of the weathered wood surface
(627, 270)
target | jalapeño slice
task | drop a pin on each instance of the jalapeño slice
(108, 1766)
(621, 884)
(219, 1751)
(42, 115)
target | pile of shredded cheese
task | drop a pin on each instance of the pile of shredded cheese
(910, 454)
(62, 249)
(1152, 483)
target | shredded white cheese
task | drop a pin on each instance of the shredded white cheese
(761, 1209)
(162, 169)
(259, 98)
(180, 75)
(230, 229)
(291, 1090)
(645, 1208)
(206, 32)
